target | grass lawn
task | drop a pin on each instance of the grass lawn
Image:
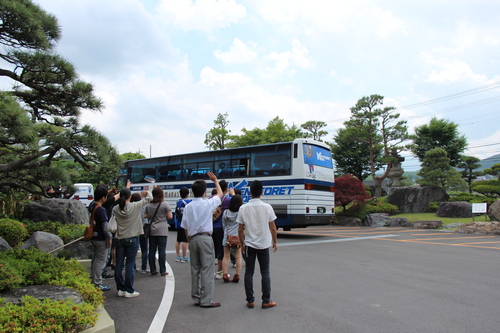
(446, 220)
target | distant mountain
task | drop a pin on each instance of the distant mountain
(488, 162)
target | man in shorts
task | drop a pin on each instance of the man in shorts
(182, 241)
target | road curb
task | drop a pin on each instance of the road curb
(104, 322)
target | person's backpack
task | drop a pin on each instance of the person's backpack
(179, 210)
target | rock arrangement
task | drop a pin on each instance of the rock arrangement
(61, 210)
(487, 228)
(398, 222)
(434, 224)
(376, 219)
(416, 199)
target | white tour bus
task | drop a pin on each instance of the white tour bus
(297, 177)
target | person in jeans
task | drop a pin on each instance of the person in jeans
(101, 239)
(197, 220)
(143, 241)
(129, 222)
(157, 213)
(257, 233)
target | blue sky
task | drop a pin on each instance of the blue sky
(166, 68)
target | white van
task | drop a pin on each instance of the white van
(84, 193)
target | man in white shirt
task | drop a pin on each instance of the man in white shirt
(197, 220)
(257, 233)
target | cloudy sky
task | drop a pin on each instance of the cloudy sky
(166, 68)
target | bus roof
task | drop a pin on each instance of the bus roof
(302, 140)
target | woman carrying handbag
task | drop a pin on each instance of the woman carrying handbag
(159, 211)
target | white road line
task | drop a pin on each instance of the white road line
(166, 303)
(335, 240)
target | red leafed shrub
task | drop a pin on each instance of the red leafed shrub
(349, 189)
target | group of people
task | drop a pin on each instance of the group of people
(256, 231)
(129, 211)
(206, 235)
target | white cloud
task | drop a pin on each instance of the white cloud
(239, 53)
(284, 61)
(326, 17)
(202, 15)
(449, 70)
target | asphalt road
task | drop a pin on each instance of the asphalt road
(337, 279)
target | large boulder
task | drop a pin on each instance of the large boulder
(4, 246)
(494, 211)
(43, 241)
(416, 198)
(398, 222)
(376, 219)
(62, 210)
(41, 292)
(455, 209)
(80, 250)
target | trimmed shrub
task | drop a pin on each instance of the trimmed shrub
(489, 188)
(433, 206)
(32, 267)
(67, 232)
(13, 231)
(473, 198)
(371, 207)
(46, 316)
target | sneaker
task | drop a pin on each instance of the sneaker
(219, 274)
(145, 272)
(185, 259)
(103, 287)
(121, 293)
(134, 294)
(178, 259)
(234, 265)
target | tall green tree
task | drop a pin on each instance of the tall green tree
(351, 156)
(468, 165)
(437, 171)
(131, 156)
(275, 132)
(315, 128)
(218, 135)
(380, 130)
(39, 122)
(439, 133)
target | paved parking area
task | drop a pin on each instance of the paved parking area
(423, 236)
